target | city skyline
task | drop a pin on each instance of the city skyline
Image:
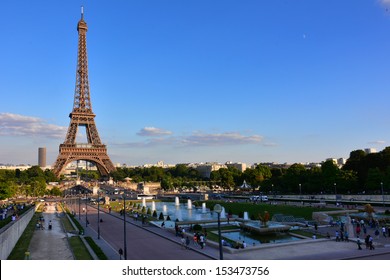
(197, 81)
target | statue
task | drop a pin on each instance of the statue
(369, 210)
(264, 218)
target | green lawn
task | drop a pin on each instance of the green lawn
(21, 247)
(79, 250)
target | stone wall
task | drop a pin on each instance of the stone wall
(11, 233)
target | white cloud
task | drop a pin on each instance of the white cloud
(227, 138)
(384, 2)
(378, 142)
(19, 125)
(153, 132)
(197, 139)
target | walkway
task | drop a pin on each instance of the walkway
(50, 244)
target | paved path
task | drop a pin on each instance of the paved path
(50, 244)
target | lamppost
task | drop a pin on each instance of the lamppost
(335, 192)
(218, 210)
(98, 221)
(124, 225)
(383, 196)
(79, 204)
(86, 210)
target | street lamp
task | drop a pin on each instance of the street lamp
(79, 204)
(335, 192)
(124, 225)
(98, 221)
(218, 210)
(86, 210)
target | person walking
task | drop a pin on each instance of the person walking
(359, 244)
(376, 233)
(367, 241)
(337, 236)
(346, 236)
(384, 231)
(188, 242)
(358, 230)
(371, 243)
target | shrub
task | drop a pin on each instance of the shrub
(154, 214)
(161, 217)
(197, 227)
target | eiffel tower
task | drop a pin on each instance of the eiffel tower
(82, 115)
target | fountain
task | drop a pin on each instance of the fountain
(177, 202)
(223, 213)
(165, 209)
(178, 214)
(143, 202)
(204, 207)
(272, 232)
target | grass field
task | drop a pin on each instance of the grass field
(21, 247)
(79, 250)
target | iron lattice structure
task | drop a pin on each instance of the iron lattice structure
(82, 115)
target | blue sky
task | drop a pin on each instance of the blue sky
(199, 80)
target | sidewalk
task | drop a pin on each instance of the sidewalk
(50, 244)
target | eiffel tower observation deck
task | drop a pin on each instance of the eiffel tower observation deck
(82, 116)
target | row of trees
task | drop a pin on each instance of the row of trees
(31, 182)
(362, 173)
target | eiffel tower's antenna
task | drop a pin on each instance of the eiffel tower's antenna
(82, 12)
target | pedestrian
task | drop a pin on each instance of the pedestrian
(337, 236)
(346, 235)
(183, 242)
(195, 238)
(358, 229)
(367, 241)
(384, 231)
(201, 241)
(243, 244)
(359, 244)
(187, 242)
(371, 243)
(376, 233)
